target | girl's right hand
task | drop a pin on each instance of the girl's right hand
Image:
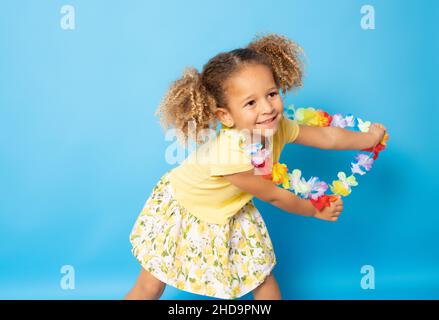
(332, 212)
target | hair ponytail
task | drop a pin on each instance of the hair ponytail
(284, 56)
(187, 100)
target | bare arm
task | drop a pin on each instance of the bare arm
(266, 190)
(334, 138)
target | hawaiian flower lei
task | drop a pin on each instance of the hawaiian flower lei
(314, 189)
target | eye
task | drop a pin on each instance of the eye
(273, 94)
(251, 103)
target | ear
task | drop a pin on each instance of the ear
(224, 116)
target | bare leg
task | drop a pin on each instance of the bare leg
(147, 287)
(268, 290)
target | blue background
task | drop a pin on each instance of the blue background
(81, 149)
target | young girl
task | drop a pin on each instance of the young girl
(199, 230)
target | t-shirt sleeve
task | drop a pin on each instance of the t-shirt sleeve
(290, 130)
(227, 157)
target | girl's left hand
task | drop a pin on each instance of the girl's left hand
(332, 212)
(377, 132)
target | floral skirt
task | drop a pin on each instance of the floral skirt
(223, 261)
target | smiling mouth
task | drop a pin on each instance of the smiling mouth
(268, 121)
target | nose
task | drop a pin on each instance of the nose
(266, 107)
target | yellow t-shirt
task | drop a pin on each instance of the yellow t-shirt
(198, 183)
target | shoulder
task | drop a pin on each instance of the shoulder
(231, 139)
(288, 130)
(228, 154)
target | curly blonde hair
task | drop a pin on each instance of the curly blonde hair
(195, 96)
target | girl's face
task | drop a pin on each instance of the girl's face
(254, 102)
